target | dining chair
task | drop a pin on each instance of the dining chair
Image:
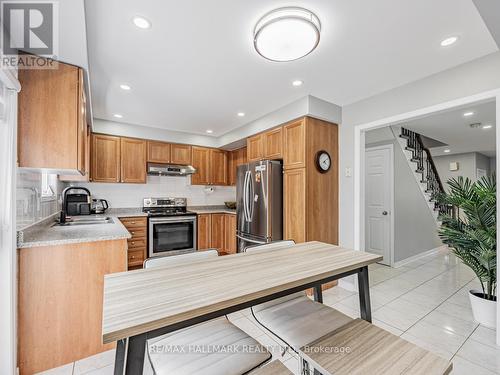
(208, 348)
(295, 319)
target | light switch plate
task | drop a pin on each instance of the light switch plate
(454, 166)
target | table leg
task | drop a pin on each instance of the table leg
(318, 294)
(364, 295)
(130, 355)
(121, 346)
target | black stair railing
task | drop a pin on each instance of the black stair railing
(426, 167)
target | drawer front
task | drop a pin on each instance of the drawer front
(137, 232)
(139, 242)
(135, 257)
(134, 222)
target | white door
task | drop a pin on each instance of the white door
(379, 188)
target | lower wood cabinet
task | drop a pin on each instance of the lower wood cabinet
(60, 295)
(217, 231)
(138, 243)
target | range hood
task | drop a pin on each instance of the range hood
(156, 169)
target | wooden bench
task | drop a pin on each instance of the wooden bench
(362, 348)
(273, 368)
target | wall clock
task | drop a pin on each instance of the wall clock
(323, 161)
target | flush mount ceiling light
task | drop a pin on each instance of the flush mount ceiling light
(449, 41)
(209, 131)
(297, 83)
(241, 114)
(117, 115)
(141, 22)
(487, 126)
(125, 87)
(447, 150)
(287, 34)
(468, 114)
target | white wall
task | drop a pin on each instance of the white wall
(471, 78)
(131, 195)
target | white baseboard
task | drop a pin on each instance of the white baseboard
(418, 256)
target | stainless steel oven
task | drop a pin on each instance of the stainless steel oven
(172, 235)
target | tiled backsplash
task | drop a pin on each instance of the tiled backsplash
(131, 195)
(31, 207)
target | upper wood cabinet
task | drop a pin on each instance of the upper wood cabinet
(201, 161)
(133, 160)
(181, 154)
(52, 119)
(294, 140)
(105, 158)
(218, 167)
(158, 152)
(255, 150)
(211, 166)
(235, 159)
(86, 176)
(273, 143)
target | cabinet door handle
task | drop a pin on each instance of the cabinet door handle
(132, 232)
(133, 243)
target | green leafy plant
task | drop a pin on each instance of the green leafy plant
(470, 230)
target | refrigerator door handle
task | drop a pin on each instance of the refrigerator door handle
(245, 197)
(251, 241)
(251, 203)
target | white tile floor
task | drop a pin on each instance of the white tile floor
(424, 302)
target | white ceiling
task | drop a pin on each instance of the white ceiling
(453, 129)
(196, 67)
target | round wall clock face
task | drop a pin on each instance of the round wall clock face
(323, 161)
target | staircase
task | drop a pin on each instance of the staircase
(425, 172)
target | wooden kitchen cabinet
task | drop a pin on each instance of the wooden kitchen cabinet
(201, 161)
(218, 167)
(158, 152)
(204, 224)
(235, 159)
(137, 244)
(52, 105)
(217, 231)
(273, 144)
(294, 202)
(294, 141)
(211, 166)
(86, 176)
(105, 158)
(255, 151)
(133, 160)
(60, 296)
(181, 154)
(230, 246)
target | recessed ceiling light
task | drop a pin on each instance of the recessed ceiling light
(125, 87)
(141, 22)
(487, 126)
(449, 41)
(468, 114)
(117, 115)
(241, 114)
(447, 150)
(209, 131)
(287, 34)
(297, 83)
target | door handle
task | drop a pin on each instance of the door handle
(384, 213)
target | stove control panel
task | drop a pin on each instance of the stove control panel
(165, 202)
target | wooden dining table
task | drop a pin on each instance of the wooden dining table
(142, 304)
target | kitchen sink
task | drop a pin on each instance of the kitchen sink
(86, 221)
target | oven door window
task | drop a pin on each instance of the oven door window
(173, 236)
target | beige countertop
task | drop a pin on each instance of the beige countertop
(211, 210)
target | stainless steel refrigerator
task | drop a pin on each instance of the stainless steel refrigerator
(259, 196)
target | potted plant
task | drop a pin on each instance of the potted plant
(470, 231)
